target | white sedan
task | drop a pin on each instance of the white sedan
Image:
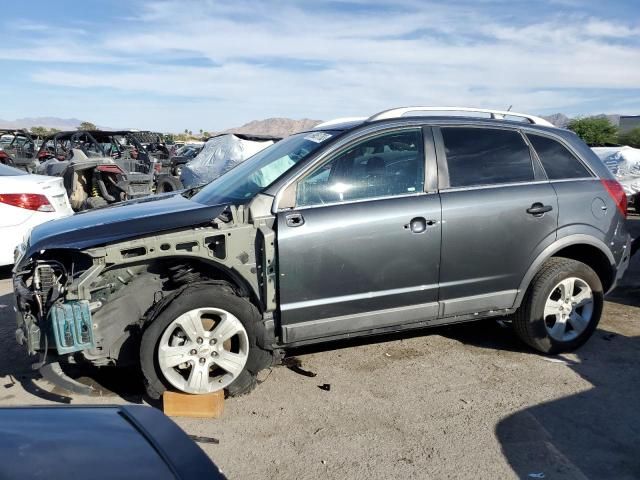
(26, 201)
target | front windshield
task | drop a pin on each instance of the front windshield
(261, 170)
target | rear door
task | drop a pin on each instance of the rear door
(361, 250)
(498, 211)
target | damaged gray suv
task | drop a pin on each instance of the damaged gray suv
(410, 218)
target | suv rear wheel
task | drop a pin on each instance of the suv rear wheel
(202, 342)
(561, 308)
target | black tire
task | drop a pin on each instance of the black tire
(529, 322)
(167, 183)
(95, 202)
(200, 297)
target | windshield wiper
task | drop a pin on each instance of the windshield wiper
(190, 192)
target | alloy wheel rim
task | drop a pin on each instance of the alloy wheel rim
(568, 309)
(203, 350)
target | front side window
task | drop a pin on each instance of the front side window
(386, 165)
(558, 162)
(486, 156)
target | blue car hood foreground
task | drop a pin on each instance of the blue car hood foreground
(121, 222)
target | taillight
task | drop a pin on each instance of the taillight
(29, 201)
(3, 154)
(616, 192)
(157, 167)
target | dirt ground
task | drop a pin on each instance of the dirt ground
(467, 401)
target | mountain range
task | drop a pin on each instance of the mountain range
(277, 127)
(48, 122)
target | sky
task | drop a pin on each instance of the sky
(180, 64)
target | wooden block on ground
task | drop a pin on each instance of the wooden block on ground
(210, 405)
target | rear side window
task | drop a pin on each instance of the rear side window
(558, 162)
(486, 156)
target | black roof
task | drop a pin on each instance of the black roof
(94, 133)
(15, 131)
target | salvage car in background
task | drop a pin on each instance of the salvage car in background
(98, 442)
(379, 225)
(154, 144)
(624, 163)
(17, 149)
(100, 167)
(26, 201)
(155, 148)
(220, 154)
(183, 155)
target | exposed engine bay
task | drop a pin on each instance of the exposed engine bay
(92, 304)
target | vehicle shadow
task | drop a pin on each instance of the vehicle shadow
(486, 333)
(5, 272)
(15, 369)
(625, 295)
(15, 365)
(592, 434)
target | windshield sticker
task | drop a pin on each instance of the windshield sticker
(318, 137)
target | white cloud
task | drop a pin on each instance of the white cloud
(416, 52)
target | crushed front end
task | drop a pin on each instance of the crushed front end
(90, 305)
(47, 324)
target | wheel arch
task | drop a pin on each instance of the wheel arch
(583, 248)
(211, 270)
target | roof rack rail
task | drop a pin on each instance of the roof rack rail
(495, 114)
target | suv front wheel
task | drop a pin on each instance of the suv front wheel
(202, 342)
(561, 308)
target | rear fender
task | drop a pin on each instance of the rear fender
(551, 250)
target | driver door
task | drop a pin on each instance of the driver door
(361, 249)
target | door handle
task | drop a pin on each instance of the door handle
(419, 224)
(294, 220)
(538, 209)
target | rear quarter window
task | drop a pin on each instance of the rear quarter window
(557, 160)
(486, 156)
